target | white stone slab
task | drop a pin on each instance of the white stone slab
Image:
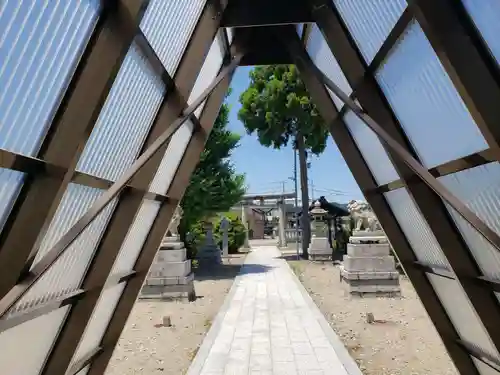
(368, 250)
(385, 263)
(170, 269)
(364, 239)
(370, 275)
(171, 256)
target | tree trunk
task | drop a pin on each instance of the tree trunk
(306, 226)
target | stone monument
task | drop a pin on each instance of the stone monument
(209, 252)
(170, 274)
(319, 248)
(368, 266)
(224, 226)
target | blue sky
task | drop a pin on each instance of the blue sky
(265, 168)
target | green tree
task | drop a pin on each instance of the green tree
(215, 186)
(278, 108)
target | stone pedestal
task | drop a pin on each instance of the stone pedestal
(368, 266)
(209, 253)
(170, 274)
(319, 248)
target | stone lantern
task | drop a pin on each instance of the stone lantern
(320, 246)
(209, 252)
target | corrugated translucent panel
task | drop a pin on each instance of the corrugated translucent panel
(65, 275)
(370, 22)
(323, 58)
(125, 119)
(462, 314)
(299, 29)
(10, 183)
(415, 228)
(479, 189)
(372, 150)
(136, 237)
(99, 321)
(483, 368)
(426, 103)
(26, 346)
(208, 72)
(168, 25)
(84, 371)
(40, 44)
(172, 158)
(230, 34)
(485, 14)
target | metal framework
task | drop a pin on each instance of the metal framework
(107, 106)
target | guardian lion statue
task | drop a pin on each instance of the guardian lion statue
(363, 216)
(173, 227)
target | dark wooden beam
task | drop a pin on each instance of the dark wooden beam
(430, 204)
(363, 177)
(65, 141)
(244, 13)
(131, 201)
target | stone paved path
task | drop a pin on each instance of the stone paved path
(270, 326)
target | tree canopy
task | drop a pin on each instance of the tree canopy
(277, 105)
(215, 186)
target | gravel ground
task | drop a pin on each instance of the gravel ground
(401, 341)
(148, 348)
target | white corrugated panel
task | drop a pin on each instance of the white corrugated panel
(208, 72)
(299, 27)
(136, 236)
(10, 184)
(426, 103)
(84, 371)
(125, 119)
(172, 158)
(65, 275)
(26, 346)
(370, 22)
(479, 189)
(372, 150)
(415, 228)
(230, 34)
(462, 314)
(483, 368)
(485, 14)
(99, 321)
(168, 25)
(323, 58)
(40, 44)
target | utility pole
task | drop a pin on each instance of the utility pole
(297, 221)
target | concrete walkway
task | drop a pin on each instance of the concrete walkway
(269, 325)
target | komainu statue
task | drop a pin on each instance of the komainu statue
(173, 227)
(363, 216)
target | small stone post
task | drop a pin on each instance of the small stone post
(281, 224)
(224, 225)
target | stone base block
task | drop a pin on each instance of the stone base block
(372, 286)
(368, 250)
(168, 291)
(319, 245)
(179, 280)
(320, 256)
(171, 244)
(171, 269)
(368, 275)
(365, 264)
(210, 254)
(171, 255)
